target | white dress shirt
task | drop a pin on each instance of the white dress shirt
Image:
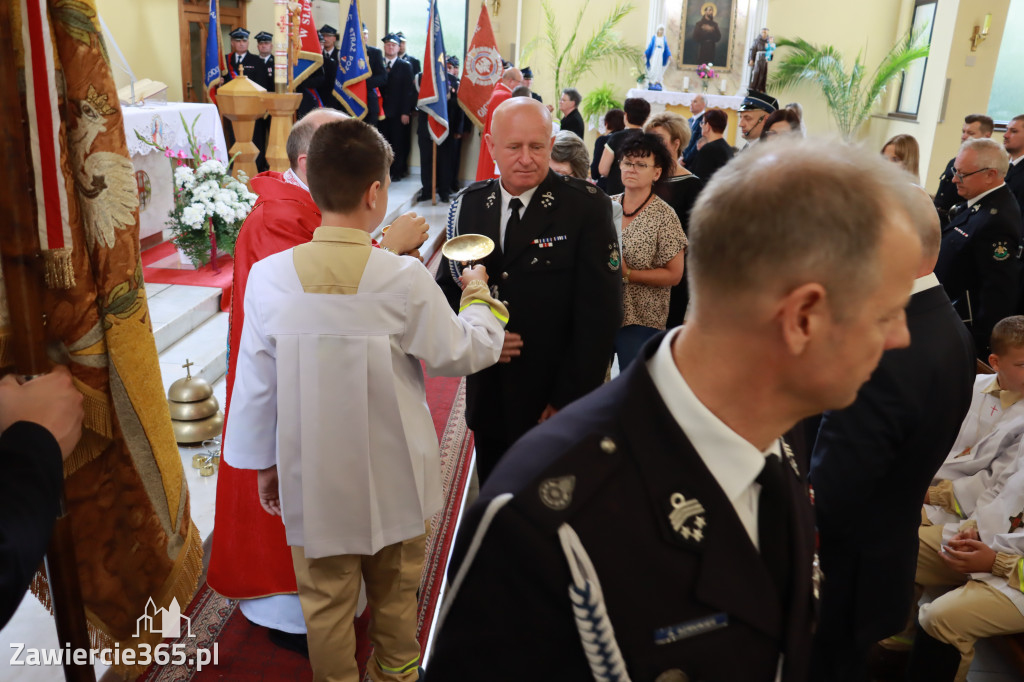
(732, 460)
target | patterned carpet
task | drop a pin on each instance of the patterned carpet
(243, 650)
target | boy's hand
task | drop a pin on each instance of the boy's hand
(270, 498)
(967, 534)
(477, 273)
(968, 556)
(406, 234)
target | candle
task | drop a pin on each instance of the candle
(686, 82)
(280, 45)
(721, 84)
(988, 24)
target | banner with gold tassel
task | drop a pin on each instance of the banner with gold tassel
(133, 534)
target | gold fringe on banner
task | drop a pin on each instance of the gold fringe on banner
(57, 268)
(5, 342)
(181, 585)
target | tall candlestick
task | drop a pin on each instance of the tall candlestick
(280, 45)
(686, 82)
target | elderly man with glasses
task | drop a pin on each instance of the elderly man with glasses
(979, 262)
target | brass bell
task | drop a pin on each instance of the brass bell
(195, 413)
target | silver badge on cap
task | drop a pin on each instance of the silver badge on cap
(556, 493)
(687, 517)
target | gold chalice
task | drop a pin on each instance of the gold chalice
(468, 248)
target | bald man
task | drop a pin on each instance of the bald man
(511, 79)
(658, 529)
(555, 264)
(871, 466)
(250, 559)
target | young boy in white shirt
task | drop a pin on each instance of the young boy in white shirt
(329, 405)
(991, 432)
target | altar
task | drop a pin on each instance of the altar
(154, 173)
(679, 102)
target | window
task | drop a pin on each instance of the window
(410, 17)
(913, 79)
(1007, 97)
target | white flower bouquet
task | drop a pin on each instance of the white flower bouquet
(209, 204)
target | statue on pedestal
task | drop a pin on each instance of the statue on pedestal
(760, 54)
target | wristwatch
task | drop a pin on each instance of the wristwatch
(625, 273)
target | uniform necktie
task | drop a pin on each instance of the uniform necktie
(773, 525)
(389, 67)
(513, 220)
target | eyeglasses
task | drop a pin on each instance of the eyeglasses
(961, 175)
(629, 165)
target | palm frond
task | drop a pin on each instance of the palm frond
(850, 95)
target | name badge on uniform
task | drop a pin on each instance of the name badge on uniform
(691, 628)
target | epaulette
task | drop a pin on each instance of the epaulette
(564, 487)
(479, 184)
(580, 185)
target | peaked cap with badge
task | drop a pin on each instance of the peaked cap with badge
(979, 264)
(759, 100)
(559, 272)
(264, 37)
(603, 525)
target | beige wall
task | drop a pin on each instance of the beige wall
(147, 33)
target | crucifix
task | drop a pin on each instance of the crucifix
(188, 365)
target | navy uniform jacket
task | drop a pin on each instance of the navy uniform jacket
(326, 88)
(561, 281)
(398, 92)
(695, 135)
(29, 504)
(978, 263)
(264, 74)
(609, 466)
(871, 467)
(1015, 181)
(378, 77)
(413, 62)
(946, 197)
(249, 67)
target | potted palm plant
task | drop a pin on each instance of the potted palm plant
(597, 102)
(576, 57)
(851, 95)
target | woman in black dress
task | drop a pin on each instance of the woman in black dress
(614, 121)
(679, 191)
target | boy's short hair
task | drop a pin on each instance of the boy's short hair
(1007, 335)
(345, 157)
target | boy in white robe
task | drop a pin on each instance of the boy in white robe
(983, 559)
(989, 436)
(329, 405)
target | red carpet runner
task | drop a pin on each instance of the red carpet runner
(161, 254)
(244, 652)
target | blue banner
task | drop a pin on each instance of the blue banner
(212, 62)
(353, 70)
(433, 95)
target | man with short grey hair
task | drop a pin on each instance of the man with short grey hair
(659, 525)
(975, 127)
(697, 107)
(978, 262)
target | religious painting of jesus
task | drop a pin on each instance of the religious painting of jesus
(706, 34)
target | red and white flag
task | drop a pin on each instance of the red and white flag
(44, 128)
(482, 70)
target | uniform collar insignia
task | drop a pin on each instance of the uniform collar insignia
(491, 198)
(687, 517)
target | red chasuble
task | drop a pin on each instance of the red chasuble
(249, 557)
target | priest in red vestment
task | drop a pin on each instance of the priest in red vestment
(250, 559)
(511, 79)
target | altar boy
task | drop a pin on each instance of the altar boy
(329, 404)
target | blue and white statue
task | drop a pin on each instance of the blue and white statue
(657, 55)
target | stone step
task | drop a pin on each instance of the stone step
(206, 347)
(177, 309)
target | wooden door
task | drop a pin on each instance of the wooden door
(193, 23)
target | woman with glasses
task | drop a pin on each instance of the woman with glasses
(653, 244)
(679, 191)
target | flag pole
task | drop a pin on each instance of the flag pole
(433, 176)
(23, 277)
